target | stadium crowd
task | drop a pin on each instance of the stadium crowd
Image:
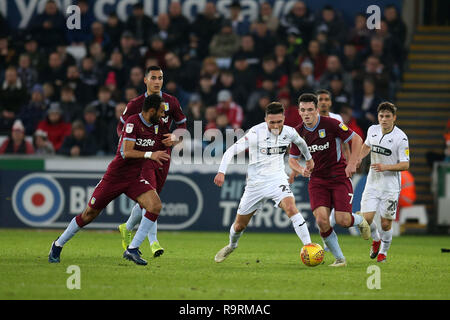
(68, 88)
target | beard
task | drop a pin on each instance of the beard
(154, 119)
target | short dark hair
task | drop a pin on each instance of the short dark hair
(274, 108)
(152, 101)
(308, 97)
(323, 91)
(152, 68)
(387, 106)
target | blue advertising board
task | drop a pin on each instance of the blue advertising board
(20, 12)
(190, 202)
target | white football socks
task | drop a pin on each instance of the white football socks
(135, 217)
(234, 237)
(301, 228)
(374, 231)
(386, 239)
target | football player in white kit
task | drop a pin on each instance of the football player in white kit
(266, 178)
(389, 154)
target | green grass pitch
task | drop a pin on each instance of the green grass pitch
(266, 266)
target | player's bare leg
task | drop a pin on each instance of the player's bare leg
(151, 202)
(328, 235)
(376, 239)
(298, 222)
(348, 219)
(386, 239)
(74, 226)
(236, 230)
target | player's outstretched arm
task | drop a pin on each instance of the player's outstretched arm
(240, 145)
(354, 155)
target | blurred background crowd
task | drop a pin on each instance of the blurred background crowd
(67, 88)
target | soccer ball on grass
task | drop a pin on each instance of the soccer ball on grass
(312, 254)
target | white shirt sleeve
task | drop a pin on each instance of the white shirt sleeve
(302, 146)
(241, 145)
(367, 142)
(403, 149)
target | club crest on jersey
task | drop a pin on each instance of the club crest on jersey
(166, 106)
(343, 126)
(322, 133)
(156, 129)
(92, 201)
(407, 152)
(129, 128)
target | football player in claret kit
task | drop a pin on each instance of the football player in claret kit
(153, 80)
(266, 178)
(389, 155)
(329, 185)
(137, 145)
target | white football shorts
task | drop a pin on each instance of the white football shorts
(254, 197)
(383, 202)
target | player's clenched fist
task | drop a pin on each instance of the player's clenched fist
(219, 179)
(160, 156)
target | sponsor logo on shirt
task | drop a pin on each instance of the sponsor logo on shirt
(129, 128)
(343, 126)
(273, 150)
(381, 150)
(407, 152)
(313, 148)
(145, 142)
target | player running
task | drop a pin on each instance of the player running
(330, 185)
(389, 154)
(153, 80)
(266, 178)
(139, 140)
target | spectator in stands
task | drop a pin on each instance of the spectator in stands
(186, 74)
(111, 138)
(136, 79)
(55, 126)
(104, 105)
(376, 48)
(79, 143)
(227, 106)
(130, 93)
(210, 68)
(334, 68)
(359, 35)
(167, 33)
(16, 143)
(71, 108)
(13, 95)
(54, 73)
(266, 16)
(206, 90)
(243, 75)
(373, 69)
(195, 112)
(140, 24)
(299, 18)
(79, 37)
(99, 36)
(4, 27)
(98, 56)
(350, 60)
(41, 144)
(333, 25)
(179, 24)
(49, 92)
(73, 80)
(89, 76)
(116, 66)
(240, 25)
(298, 86)
(396, 26)
(258, 114)
(35, 111)
(225, 43)
(350, 121)
(223, 125)
(114, 28)
(26, 72)
(317, 58)
(49, 26)
(271, 71)
(207, 24)
(171, 87)
(226, 81)
(157, 50)
(285, 62)
(339, 95)
(295, 42)
(31, 46)
(247, 49)
(130, 53)
(365, 109)
(210, 117)
(307, 71)
(95, 128)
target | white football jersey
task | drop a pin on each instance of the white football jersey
(390, 148)
(266, 152)
(336, 116)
